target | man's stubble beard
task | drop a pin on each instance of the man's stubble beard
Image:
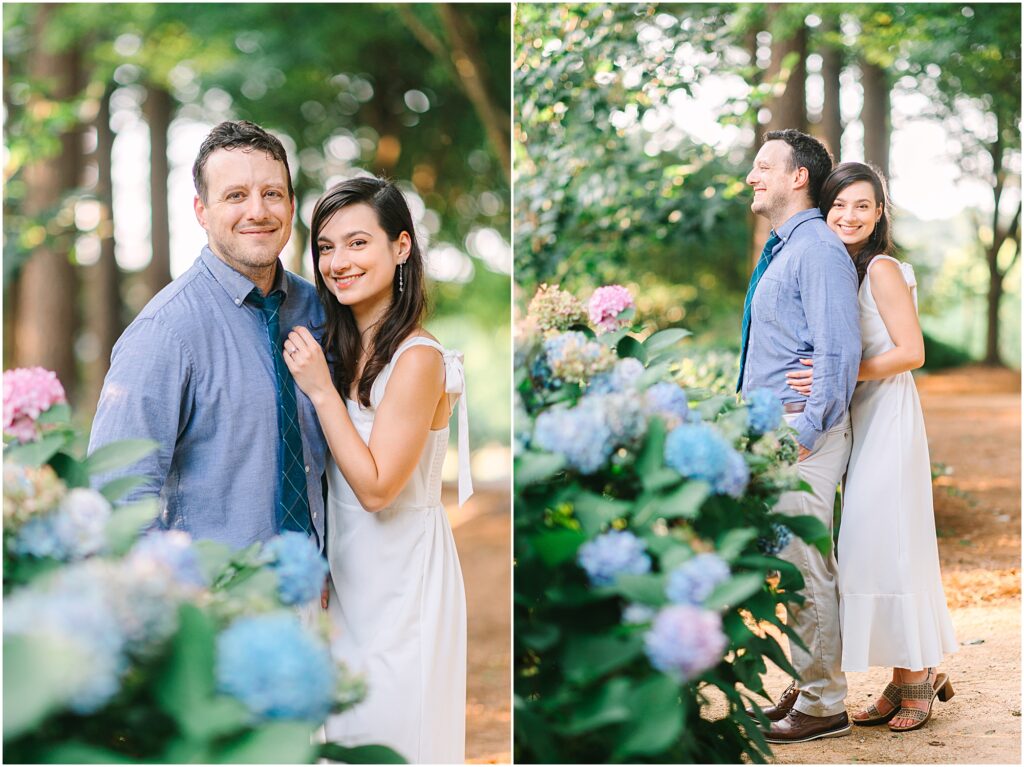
(249, 261)
(773, 209)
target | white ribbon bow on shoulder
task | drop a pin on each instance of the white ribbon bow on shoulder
(455, 385)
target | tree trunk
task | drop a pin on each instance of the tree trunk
(750, 46)
(875, 116)
(831, 117)
(994, 298)
(157, 109)
(10, 293)
(999, 236)
(461, 56)
(300, 232)
(102, 294)
(788, 104)
(46, 323)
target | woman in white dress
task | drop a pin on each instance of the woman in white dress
(396, 598)
(892, 606)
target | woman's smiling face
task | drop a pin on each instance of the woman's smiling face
(356, 258)
(854, 214)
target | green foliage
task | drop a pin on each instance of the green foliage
(585, 690)
(940, 356)
(601, 197)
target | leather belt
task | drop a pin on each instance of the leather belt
(793, 407)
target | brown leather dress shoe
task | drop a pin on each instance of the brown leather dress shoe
(798, 727)
(782, 706)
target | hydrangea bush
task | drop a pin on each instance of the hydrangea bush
(122, 645)
(646, 544)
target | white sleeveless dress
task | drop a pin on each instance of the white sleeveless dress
(892, 606)
(397, 602)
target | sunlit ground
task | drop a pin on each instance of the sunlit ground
(491, 468)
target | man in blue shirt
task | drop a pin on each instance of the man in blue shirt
(199, 371)
(802, 303)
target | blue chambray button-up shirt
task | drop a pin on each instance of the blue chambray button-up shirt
(805, 306)
(194, 373)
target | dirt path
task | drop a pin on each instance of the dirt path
(483, 537)
(973, 423)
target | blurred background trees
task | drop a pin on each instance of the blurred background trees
(636, 124)
(105, 106)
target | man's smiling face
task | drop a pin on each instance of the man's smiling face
(247, 212)
(772, 178)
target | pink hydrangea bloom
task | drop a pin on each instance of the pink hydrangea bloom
(607, 304)
(27, 393)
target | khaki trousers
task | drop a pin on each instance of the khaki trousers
(816, 622)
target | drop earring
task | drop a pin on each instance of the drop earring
(401, 282)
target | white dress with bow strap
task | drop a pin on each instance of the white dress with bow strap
(397, 603)
(892, 606)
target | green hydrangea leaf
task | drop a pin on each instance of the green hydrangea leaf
(36, 681)
(35, 454)
(657, 718)
(127, 521)
(587, 658)
(120, 487)
(532, 467)
(117, 455)
(557, 546)
(272, 743)
(665, 339)
(734, 591)
(360, 754)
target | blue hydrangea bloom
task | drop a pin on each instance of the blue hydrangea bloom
(764, 411)
(611, 554)
(540, 371)
(780, 539)
(736, 476)
(38, 538)
(276, 668)
(521, 422)
(145, 602)
(75, 611)
(699, 452)
(172, 551)
(667, 400)
(300, 568)
(557, 347)
(579, 433)
(635, 613)
(622, 413)
(622, 378)
(685, 641)
(75, 530)
(572, 356)
(696, 578)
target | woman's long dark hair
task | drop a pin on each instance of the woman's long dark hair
(880, 241)
(341, 336)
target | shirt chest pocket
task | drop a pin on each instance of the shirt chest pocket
(765, 306)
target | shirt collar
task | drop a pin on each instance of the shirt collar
(786, 230)
(235, 284)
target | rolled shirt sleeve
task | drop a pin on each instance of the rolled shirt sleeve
(145, 396)
(827, 282)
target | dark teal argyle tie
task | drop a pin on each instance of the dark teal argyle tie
(762, 265)
(292, 500)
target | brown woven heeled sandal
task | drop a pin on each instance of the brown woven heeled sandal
(892, 694)
(927, 690)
